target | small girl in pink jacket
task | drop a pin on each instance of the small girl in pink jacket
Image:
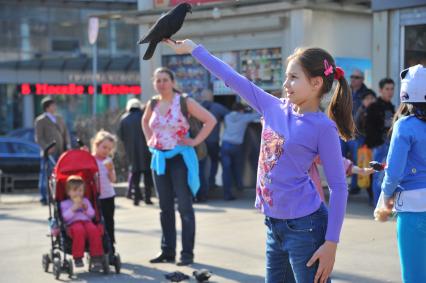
(77, 213)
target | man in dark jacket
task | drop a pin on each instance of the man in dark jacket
(378, 122)
(131, 134)
(350, 148)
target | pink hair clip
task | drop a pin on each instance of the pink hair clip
(328, 69)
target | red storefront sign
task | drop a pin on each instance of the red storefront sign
(74, 89)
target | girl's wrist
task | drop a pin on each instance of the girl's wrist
(192, 45)
(331, 243)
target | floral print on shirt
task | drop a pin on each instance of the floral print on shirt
(271, 149)
(168, 129)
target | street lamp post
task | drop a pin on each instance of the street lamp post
(93, 35)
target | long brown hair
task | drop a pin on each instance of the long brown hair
(313, 61)
(407, 109)
(169, 73)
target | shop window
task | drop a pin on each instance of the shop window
(263, 66)
(191, 77)
(10, 108)
(230, 58)
(125, 36)
(415, 45)
(65, 45)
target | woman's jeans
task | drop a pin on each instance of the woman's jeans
(291, 243)
(170, 185)
(411, 230)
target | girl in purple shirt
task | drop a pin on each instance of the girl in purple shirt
(302, 235)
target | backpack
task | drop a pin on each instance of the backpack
(195, 125)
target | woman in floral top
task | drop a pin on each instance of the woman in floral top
(174, 162)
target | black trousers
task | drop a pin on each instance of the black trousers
(135, 187)
(108, 209)
(170, 185)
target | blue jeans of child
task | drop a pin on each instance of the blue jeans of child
(291, 243)
(379, 154)
(170, 185)
(232, 162)
(411, 230)
(42, 181)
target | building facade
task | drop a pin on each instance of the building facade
(45, 51)
(256, 37)
(399, 38)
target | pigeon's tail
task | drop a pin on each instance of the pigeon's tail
(143, 40)
(150, 51)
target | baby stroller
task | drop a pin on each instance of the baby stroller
(82, 163)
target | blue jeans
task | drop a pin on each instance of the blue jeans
(379, 154)
(44, 174)
(411, 230)
(213, 149)
(232, 163)
(291, 243)
(174, 183)
(351, 148)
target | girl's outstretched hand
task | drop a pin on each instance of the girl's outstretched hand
(181, 46)
(326, 255)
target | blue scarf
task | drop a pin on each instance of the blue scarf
(158, 163)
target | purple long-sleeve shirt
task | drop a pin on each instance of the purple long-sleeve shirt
(71, 216)
(290, 142)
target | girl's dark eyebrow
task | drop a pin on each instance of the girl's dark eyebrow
(291, 73)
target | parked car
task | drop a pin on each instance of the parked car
(23, 133)
(29, 135)
(19, 156)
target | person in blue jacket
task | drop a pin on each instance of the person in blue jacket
(404, 185)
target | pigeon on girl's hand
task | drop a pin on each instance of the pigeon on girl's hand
(166, 26)
(202, 275)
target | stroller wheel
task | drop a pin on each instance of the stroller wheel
(56, 268)
(117, 263)
(45, 262)
(70, 268)
(105, 264)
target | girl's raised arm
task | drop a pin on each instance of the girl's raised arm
(255, 96)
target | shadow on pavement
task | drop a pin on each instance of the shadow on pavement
(349, 277)
(4, 216)
(129, 273)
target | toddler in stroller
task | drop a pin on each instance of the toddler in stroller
(77, 213)
(76, 223)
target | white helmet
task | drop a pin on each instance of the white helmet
(413, 85)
